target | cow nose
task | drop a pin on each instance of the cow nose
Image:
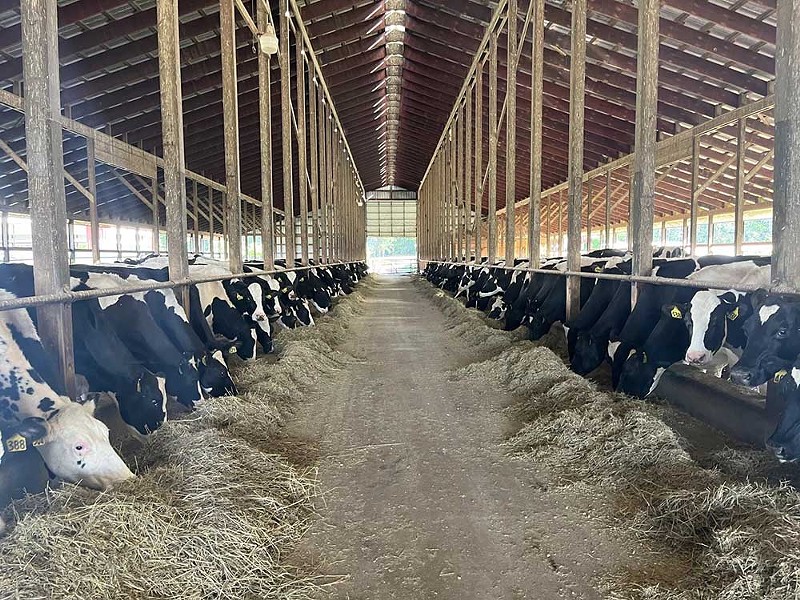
(695, 358)
(741, 376)
(778, 450)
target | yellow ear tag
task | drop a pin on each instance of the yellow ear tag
(676, 313)
(598, 269)
(37, 443)
(733, 315)
(779, 375)
(16, 443)
(232, 350)
(239, 297)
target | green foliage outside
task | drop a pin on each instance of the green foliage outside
(391, 246)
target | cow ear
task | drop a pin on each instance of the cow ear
(32, 428)
(758, 298)
(728, 298)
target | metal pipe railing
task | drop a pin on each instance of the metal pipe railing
(70, 296)
(649, 279)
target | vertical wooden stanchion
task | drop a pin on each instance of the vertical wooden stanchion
(644, 160)
(265, 134)
(48, 207)
(493, 133)
(511, 133)
(537, 91)
(577, 71)
(284, 60)
(741, 140)
(230, 110)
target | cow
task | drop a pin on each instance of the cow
(22, 469)
(76, 447)
(671, 336)
(785, 440)
(773, 339)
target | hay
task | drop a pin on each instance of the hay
(731, 526)
(213, 512)
(477, 332)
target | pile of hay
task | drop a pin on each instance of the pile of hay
(731, 520)
(214, 509)
(470, 325)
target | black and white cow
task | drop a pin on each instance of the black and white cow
(785, 440)
(76, 447)
(671, 336)
(773, 339)
(22, 470)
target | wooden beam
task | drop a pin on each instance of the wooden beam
(265, 154)
(644, 159)
(169, 58)
(786, 200)
(230, 104)
(286, 130)
(575, 167)
(302, 189)
(493, 135)
(46, 179)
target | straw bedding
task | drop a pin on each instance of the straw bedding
(731, 520)
(214, 510)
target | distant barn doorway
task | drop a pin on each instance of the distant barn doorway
(392, 230)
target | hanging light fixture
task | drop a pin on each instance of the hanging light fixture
(268, 41)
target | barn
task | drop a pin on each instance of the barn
(399, 299)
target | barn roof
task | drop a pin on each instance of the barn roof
(394, 68)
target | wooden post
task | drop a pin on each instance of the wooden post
(230, 109)
(323, 182)
(493, 133)
(286, 132)
(156, 216)
(300, 81)
(469, 201)
(314, 143)
(644, 159)
(169, 65)
(265, 133)
(608, 209)
(196, 217)
(4, 235)
(511, 133)
(537, 91)
(48, 207)
(94, 226)
(738, 235)
(549, 230)
(589, 192)
(560, 224)
(710, 236)
(577, 71)
(786, 203)
(463, 200)
(211, 221)
(695, 183)
(478, 161)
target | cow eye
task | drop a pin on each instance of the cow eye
(782, 332)
(79, 447)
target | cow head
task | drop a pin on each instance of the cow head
(498, 308)
(321, 300)
(589, 353)
(241, 297)
(77, 448)
(143, 404)
(773, 338)
(303, 313)
(183, 381)
(707, 319)
(665, 346)
(215, 378)
(785, 440)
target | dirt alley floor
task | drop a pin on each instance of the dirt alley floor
(419, 499)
